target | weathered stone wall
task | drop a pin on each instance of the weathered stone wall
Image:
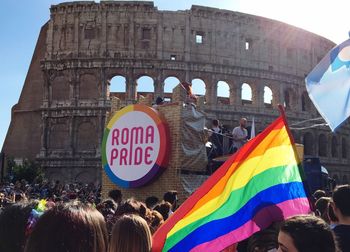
(87, 44)
(23, 135)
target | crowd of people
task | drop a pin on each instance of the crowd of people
(73, 217)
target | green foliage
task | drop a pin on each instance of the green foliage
(28, 170)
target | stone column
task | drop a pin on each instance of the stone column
(104, 87)
(209, 94)
(233, 93)
(214, 92)
(100, 128)
(281, 94)
(275, 96)
(158, 87)
(260, 95)
(103, 49)
(44, 135)
(72, 133)
(256, 94)
(131, 89)
(46, 89)
(237, 86)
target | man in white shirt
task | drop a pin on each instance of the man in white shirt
(239, 135)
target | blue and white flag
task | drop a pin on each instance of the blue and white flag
(328, 85)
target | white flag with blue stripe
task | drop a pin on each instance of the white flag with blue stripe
(328, 85)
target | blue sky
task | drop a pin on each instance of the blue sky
(21, 20)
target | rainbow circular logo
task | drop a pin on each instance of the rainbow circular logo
(135, 147)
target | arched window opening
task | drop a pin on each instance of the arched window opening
(169, 84)
(344, 148)
(223, 92)
(287, 99)
(306, 104)
(308, 144)
(198, 87)
(322, 145)
(268, 96)
(117, 87)
(246, 94)
(334, 147)
(145, 86)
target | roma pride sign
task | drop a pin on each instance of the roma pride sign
(135, 146)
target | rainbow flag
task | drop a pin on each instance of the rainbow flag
(258, 185)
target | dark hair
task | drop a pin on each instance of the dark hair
(131, 206)
(310, 234)
(156, 221)
(264, 240)
(164, 209)
(107, 207)
(13, 224)
(170, 197)
(115, 195)
(130, 233)
(321, 208)
(341, 199)
(151, 201)
(69, 227)
(159, 100)
(215, 122)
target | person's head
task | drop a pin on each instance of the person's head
(331, 215)
(264, 240)
(243, 122)
(306, 233)
(69, 227)
(341, 199)
(215, 123)
(130, 233)
(321, 206)
(318, 194)
(131, 206)
(171, 197)
(151, 201)
(13, 226)
(164, 209)
(107, 207)
(156, 221)
(116, 195)
(159, 100)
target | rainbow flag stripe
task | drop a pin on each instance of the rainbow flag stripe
(258, 185)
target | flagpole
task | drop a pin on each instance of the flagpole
(283, 115)
(301, 169)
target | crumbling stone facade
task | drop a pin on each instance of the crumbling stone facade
(60, 116)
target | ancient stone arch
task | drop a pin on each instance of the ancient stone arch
(308, 142)
(59, 88)
(59, 137)
(86, 135)
(334, 147)
(344, 149)
(322, 145)
(89, 87)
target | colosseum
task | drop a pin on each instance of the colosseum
(60, 116)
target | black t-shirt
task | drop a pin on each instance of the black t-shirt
(342, 233)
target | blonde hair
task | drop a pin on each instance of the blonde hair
(131, 233)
